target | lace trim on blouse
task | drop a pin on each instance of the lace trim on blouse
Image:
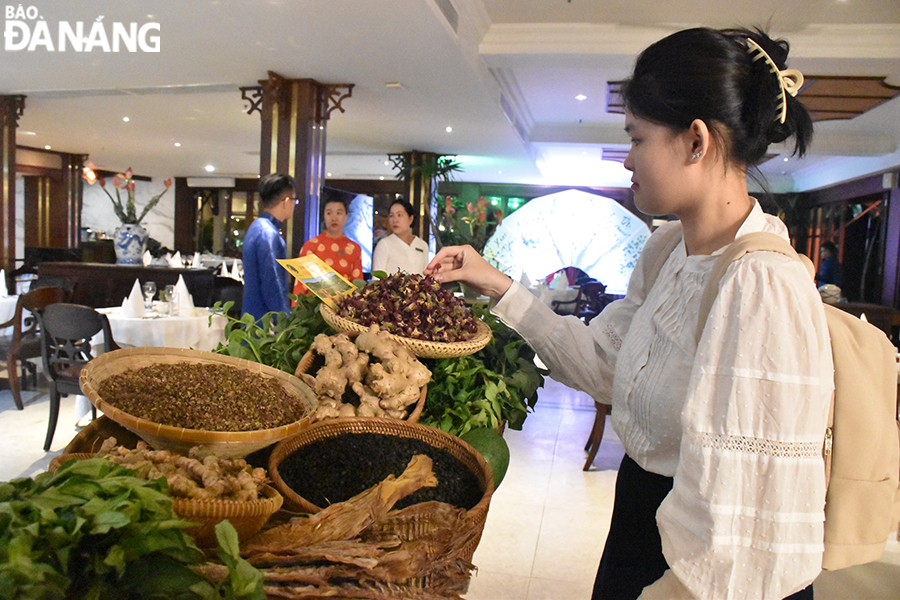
(614, 338)
(773, 448)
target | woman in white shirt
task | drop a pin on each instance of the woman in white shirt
(721, 492)
(402, 249)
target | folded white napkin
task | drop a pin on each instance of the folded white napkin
(3, 290)
(147, 258)
(175, 261)
(133, 305)
(235, 274)
(183, 298)
(195, 262)
(559, 282)
(224, 271)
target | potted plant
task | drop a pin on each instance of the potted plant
(130, 238)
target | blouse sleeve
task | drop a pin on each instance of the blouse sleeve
(580, 356)
(745, 515)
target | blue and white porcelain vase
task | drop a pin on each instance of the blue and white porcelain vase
(130, 240)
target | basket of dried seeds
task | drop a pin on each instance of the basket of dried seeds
(175, 399)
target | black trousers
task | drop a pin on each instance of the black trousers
(632, 558)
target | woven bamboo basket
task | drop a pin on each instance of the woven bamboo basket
(416, 521)
(247, 516)
(421, 348)
(89, 439)
(414, 410)
(230, 444)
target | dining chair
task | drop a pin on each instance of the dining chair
(66, 333)
(226, 289)
(589, 302)
(24, 342)
(593, 443)
(64, 283)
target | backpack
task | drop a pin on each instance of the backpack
(861, 446)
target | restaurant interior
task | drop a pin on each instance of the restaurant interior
(352, 98)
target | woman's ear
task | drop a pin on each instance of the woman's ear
(699, 140)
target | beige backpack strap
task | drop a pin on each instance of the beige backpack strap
(746, 243)
(671, 234)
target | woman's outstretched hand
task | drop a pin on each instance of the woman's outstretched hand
(463, 263)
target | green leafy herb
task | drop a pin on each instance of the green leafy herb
(94, 531)
(276, 340)
(499, 383)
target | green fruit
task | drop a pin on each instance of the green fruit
(491, 445)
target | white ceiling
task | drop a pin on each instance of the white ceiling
(531, 56)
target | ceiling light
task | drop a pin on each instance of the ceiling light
(209, 168)
(328, 174)
(178, 144)
(47, 147)
(786, 159)
(449, 129)
(89, 175)
(126, 119)
(580, 97)
(393, 85)
(381, 178)
(387, 163)
(25, 133)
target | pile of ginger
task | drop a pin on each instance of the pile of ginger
(382, 374)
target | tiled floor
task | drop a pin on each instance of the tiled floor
(547, 521)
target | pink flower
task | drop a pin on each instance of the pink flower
(450, 210)
(101, 181)
(470, 208)
(129, 173)
(129, 186)
(168, 183)
(482, 202)
(116, 183)
(499, 216)
(448, 203)
(482, 216)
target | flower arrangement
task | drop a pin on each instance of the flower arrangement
(127, 212)
(473, 227)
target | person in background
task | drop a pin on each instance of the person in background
(265, 281)
(402, 249)
(721, 492)
(337, 250)
(830, 269)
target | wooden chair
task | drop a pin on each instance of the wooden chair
(226, 289)
(66, 333)
(591, 299)
(64, 283)
(593, 443)
(25, 343)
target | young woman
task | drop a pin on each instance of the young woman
(721, 492)
(337, 250)
(401, 249)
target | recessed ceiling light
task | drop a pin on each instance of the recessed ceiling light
(394, 85)
(328, 174)
(381, 178)
(387, 163)
(47, 147)
(786, 159)
(126, 119)
(209, 168)
(580, 97)
(178, 144)
(449, 129)
(25, 133)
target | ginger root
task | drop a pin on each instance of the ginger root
(383, 373)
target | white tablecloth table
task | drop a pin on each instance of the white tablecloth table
(183, 331)
(7, 310)
(548, 295)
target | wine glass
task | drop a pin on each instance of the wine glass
(149, 289)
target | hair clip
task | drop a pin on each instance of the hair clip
(789, 80)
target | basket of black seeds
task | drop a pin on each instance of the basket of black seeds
(332, 461)
(175, 399)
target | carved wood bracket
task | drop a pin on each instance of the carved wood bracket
(253, 96)
(334, 96)
(11, 108)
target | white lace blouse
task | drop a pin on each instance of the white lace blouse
(738, 420)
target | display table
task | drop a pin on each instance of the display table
(98, 285)
(183, 331)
